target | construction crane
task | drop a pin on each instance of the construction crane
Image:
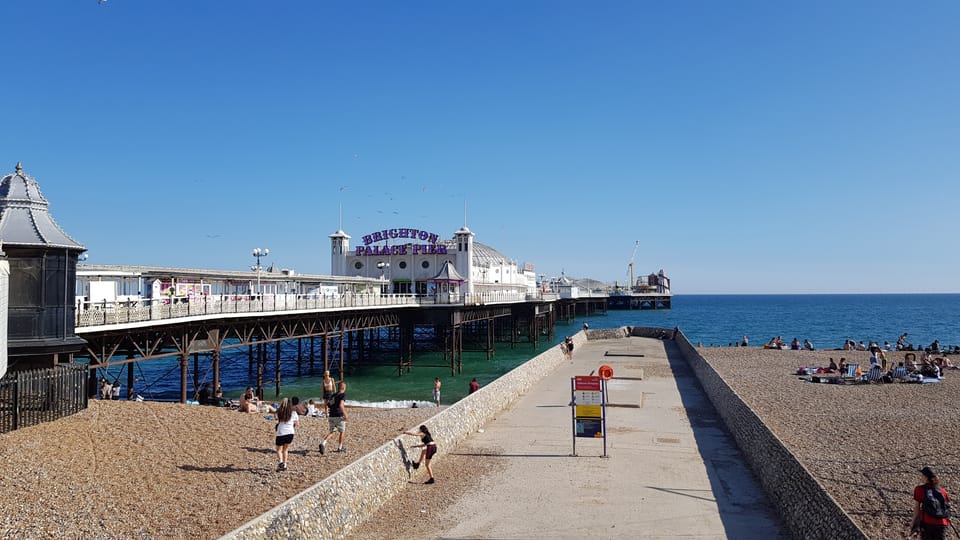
(630, 266)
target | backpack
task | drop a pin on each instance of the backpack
(934, 504)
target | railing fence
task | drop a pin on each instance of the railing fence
(32, 397)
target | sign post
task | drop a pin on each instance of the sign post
(588, 409)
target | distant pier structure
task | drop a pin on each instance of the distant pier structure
(648, 292)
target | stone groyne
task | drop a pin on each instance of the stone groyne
(334, 506)
(806, 508)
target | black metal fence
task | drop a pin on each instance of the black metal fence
(32, 397)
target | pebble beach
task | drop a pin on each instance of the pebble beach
(865, 443)
(164, 470)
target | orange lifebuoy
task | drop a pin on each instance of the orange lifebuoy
(606, 372)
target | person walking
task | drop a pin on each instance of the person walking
(336, 418)
(287, 421)
(436, 390)
(931, 504)
(429, 450)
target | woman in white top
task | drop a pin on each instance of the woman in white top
(287, 421)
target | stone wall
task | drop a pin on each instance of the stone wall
(332, 507)
(805, 507)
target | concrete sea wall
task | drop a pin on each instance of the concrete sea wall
(332, 507)
(806, 508)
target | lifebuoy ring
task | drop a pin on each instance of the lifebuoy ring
(606, 372)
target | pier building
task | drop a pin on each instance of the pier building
(423, 263)
(42, 260)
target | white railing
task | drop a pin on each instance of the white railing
(130, 311)
(102, 313)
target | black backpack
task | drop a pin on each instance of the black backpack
(935, 504)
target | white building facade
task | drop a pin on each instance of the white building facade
(410, 261)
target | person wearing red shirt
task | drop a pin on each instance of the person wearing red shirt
(932, 527)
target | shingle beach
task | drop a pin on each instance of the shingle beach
(162, 470)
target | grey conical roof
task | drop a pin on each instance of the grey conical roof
(447, 273)
(24, 217)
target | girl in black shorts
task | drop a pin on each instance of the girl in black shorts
(287, 421)
(429, 449)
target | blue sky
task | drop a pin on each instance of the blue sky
(748, 146)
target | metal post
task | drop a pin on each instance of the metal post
(184, 360)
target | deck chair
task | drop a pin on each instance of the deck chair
(899, 373)
(851, 370)
(875, 375)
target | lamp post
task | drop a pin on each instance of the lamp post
(259, 253)
(384, 267)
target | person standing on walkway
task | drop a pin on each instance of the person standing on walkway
(436, 390)
(931, 504)
(287, 421)
(337, 418)
(429, 450)
(329, 386)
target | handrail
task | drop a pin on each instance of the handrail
(156, 309)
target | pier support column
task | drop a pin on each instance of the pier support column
(277, 382)
(260, 364)
(299, 356)
(130, 378)
(216, 369)
(184, 362)
(325, 352)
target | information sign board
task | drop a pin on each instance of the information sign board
(586, 382)
(589, 411)
(588, 397)
(590, 427)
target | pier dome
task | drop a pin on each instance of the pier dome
(25, 219)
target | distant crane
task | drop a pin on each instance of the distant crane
(630, 266)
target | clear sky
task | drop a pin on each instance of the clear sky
(805, 146)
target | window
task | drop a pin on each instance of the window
(402, 264)
(425, 264)
(358, 265)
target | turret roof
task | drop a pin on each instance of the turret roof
(25, 219)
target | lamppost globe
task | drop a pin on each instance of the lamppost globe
(259, 254)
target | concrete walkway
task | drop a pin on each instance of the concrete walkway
(671, 470)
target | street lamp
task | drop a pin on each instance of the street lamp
(259, 253)
(384, 267)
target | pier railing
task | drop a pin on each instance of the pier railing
(121, 312)
(103, 313)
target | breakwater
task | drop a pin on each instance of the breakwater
(332, 507)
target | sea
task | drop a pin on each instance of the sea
(827, 320)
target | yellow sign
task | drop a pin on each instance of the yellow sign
(589, 411)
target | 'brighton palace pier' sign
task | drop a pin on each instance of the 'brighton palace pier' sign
(431, 247)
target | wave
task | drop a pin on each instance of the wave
(391, 404)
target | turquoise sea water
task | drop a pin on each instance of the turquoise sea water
(826, 320)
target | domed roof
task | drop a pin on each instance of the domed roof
(24, 217)
(483, 255)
